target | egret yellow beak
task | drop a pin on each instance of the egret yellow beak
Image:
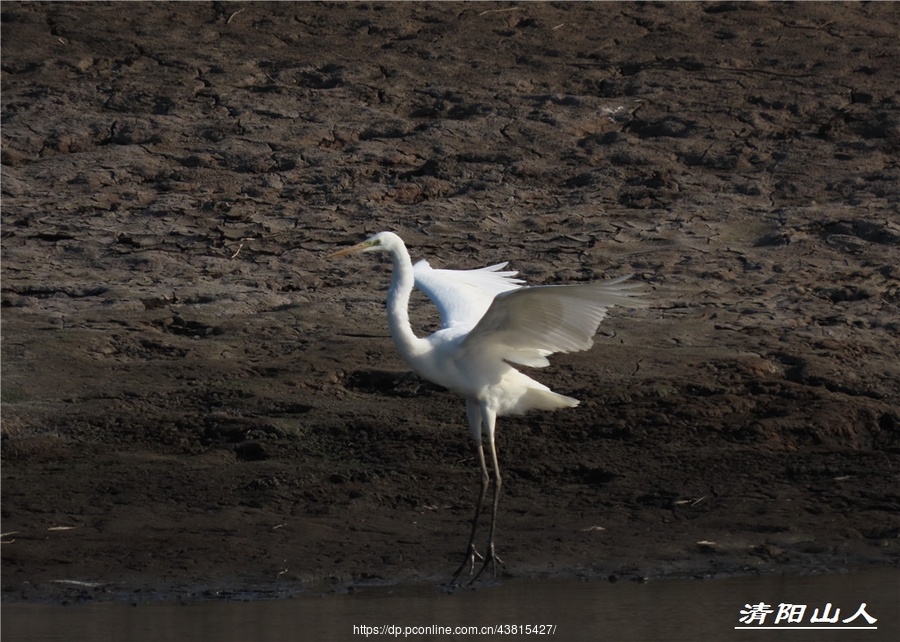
(359, 247)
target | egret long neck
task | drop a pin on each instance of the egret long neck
(402, 282)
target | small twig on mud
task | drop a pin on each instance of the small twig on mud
(244, 239)
(561, 24)
(484, 13)
(228, 22)
(637, 367)
(241, 246)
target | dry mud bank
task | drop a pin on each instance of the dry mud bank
(201, 399)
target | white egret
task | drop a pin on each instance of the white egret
(490, 321)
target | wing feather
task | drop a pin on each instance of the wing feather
(464, 296)
(526, 325)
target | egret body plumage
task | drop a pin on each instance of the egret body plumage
(491, 321)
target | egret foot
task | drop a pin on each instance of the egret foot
(491, 560)
(471, 556)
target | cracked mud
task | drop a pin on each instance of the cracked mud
(194, 398)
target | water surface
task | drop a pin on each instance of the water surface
(665, 609)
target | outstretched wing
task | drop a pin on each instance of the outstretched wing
(463, 296)
(528, 324)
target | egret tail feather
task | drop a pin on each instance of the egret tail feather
(538, 399)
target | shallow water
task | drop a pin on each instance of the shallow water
(569, 609)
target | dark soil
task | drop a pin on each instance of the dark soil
(195, 399)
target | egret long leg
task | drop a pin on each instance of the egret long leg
(471, 553)
(490, 557)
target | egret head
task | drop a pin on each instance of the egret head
(381, 242)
